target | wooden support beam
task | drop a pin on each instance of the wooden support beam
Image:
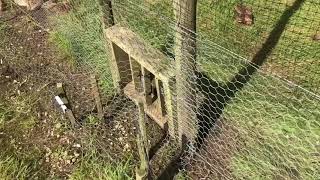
(142, 171)
(147, 85)
(185, 57)
(160, 94)
(171, 107)
(136, 74)
(120, 67)
(108, 19)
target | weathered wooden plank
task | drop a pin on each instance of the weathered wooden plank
(150, 58)
(142, 171)
(121, 64)
(161, 101)
(147, 85)
(136, 74)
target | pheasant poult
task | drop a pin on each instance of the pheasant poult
(244, 15)
(316, 37)
(30, 4)
(1, 7)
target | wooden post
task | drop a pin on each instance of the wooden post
(96, 95)
(185, 54)
(108, 19)
(160, 94)
(142, 171)
(65, 102)
(147, 85)
(136, 74)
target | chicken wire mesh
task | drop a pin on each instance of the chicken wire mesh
(253, 120)
(250, 104)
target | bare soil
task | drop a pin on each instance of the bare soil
(213, 159)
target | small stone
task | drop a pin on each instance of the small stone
(77, 146)
(58, 126)
(127, 146)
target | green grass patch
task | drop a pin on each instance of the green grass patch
(279, 126)
(92, 167)
(96, 161)
(79, 35)
(13, 168)
(16, 120)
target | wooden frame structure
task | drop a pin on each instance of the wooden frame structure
(144, 75)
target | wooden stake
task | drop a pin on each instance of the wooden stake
(64, 99)
(142, 171)
(185, 54)
(96, 95)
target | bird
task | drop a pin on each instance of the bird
(244, 15)
(316, 37)
(1, 7)
(30, 4)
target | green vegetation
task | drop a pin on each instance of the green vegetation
(278, 129)
(79, 35)
(91, 167)
(96, 165)
(17, 121)
(296, 55)
(12, 168)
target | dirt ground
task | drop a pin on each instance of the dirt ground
(29, 71)
(214, 157)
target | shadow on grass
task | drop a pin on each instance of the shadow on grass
(218, 95)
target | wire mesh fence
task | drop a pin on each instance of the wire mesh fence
(244, 90)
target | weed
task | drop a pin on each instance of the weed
(12, 168)
(92, 167)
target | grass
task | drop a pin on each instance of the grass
(13, 168)
(91, 167)
(79, 35)
(17, 121)
(96, 165)
(279, 126)
(299, 65)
